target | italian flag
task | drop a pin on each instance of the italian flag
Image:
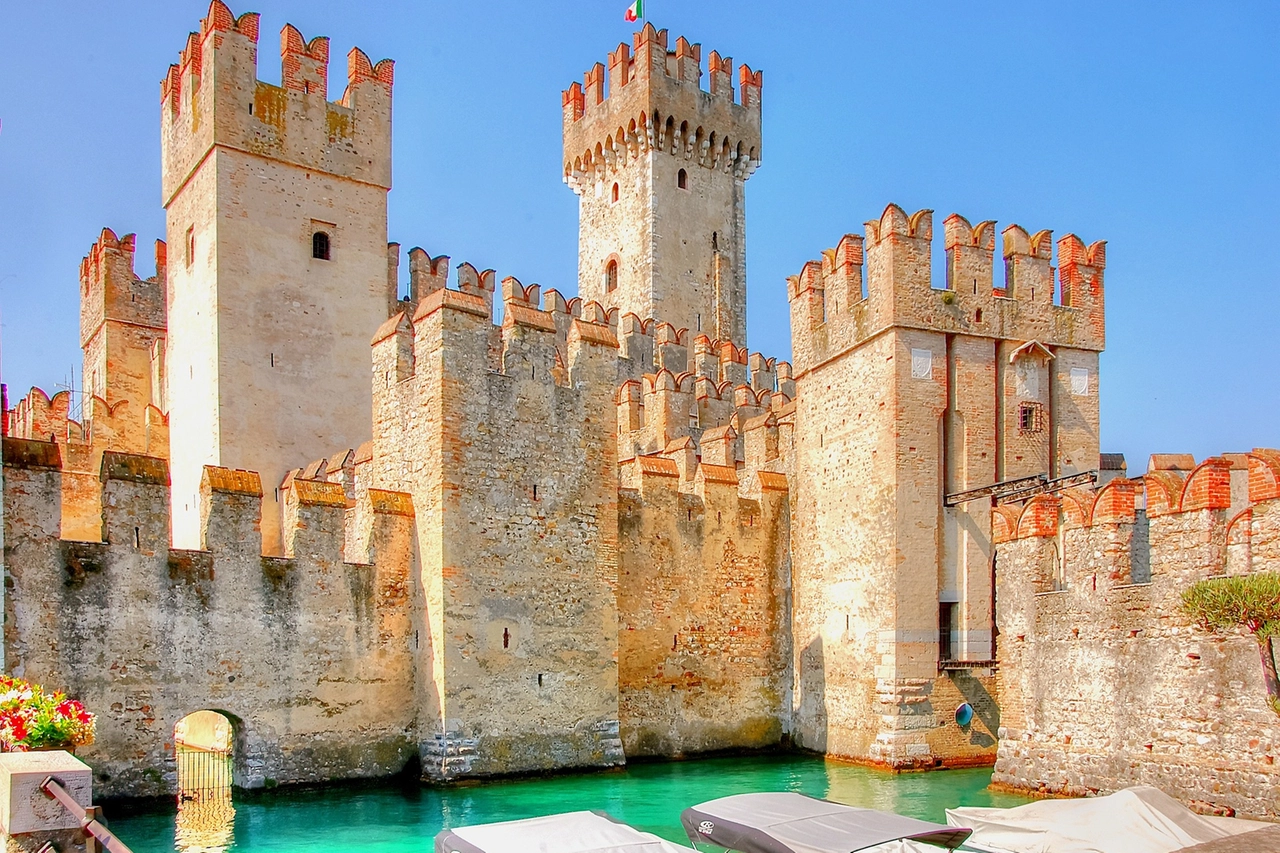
(635, 11)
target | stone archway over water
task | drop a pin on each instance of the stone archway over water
(204, 745)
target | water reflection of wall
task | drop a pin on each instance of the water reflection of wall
(855, 786)
(205, 826)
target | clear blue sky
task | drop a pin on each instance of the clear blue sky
(1155, 126)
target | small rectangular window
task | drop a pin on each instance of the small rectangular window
(1029, 418)
(946, 615)
(191, 246)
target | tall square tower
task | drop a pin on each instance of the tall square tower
(659, 166)
(908, 393)
(276, 213)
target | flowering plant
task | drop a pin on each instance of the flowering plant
(31, 718)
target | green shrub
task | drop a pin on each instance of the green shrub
(1251, 601)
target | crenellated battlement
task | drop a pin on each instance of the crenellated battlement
(537, 339)
(212, 96)
(867, 284)
(25, 458)
(720, 422)
(37, 416)
(1144, 525)
(668, 393)
(654, 101)
(654, 478)
(1211, 485)
(648, 345)
(111, 290)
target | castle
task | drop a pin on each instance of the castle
(378, 531)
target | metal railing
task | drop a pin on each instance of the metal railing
(90, 821)
(1022, 488)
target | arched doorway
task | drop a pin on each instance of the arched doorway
(203, 742)
(203, 746)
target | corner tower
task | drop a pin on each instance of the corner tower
(276, 212)
(909, 395)
(659, 166)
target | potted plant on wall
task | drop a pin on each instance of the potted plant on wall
(33, 719)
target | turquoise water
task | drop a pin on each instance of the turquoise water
(648, 796)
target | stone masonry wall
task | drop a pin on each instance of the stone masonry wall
(1104, 683)
(307, 654)
(510, 449)
(703, 610)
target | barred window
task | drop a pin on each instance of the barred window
(1030, 417)
(320, 246)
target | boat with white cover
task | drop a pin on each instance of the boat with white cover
(574, 832)
(1136, 820)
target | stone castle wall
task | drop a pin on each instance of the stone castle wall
(305, 653)
(1104, 683)
(512, 454)
(704, 608)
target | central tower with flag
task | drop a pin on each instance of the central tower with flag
(659, 165)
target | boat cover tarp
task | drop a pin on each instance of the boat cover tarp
(575, 832)
(794, 823)
(1135, 820)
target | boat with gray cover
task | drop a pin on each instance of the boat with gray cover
(787, 822)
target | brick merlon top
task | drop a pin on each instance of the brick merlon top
(593, 333)
(233, 481)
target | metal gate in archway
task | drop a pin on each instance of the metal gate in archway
(203, 774)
